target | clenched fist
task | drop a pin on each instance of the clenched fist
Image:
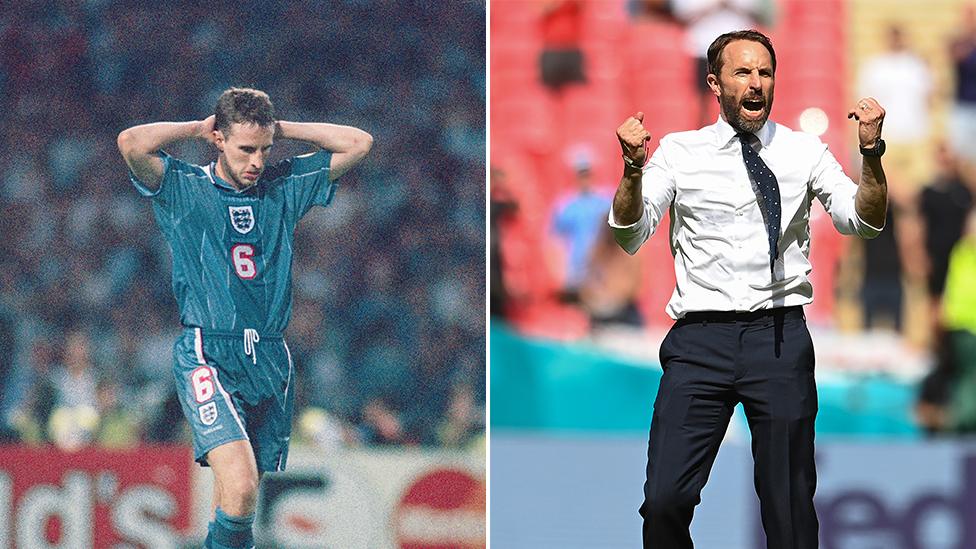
(633, 139)
(870, 116)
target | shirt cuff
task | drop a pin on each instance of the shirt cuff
(866, 229)
(630, 237)
(613, 222)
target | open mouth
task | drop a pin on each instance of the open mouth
(754, 106)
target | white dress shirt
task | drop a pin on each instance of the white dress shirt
(718, 236)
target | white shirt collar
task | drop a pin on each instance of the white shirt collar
(725, 133)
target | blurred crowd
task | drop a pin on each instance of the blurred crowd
(595, 278)
(387, 331)
(915, 280)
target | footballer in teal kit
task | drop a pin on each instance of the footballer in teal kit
(229, 226)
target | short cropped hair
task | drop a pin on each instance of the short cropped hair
(243, 106)
(715, 50)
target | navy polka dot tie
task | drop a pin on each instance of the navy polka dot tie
(768, 189)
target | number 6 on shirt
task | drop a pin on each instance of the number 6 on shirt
(242, 255)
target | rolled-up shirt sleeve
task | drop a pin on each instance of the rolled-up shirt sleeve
(657, 190)
(836, 191)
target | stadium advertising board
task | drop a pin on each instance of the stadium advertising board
(911, 494)
(918, 495)
(94, 498)
(442, 508)
(368, 499)
(157, 497)
(310, 509)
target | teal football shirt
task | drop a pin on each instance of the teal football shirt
(232, 250)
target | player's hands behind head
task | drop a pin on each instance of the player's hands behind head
(207, 127)
(633, 138)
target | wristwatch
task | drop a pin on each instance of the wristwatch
(877, 150)
(628, 161)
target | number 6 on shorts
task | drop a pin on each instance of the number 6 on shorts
(202, 380)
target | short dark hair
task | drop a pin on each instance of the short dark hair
(715, 50)
(243, 106)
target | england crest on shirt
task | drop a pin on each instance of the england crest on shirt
(208, 413)
(241, 218)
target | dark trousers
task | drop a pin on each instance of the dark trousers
(713, 361)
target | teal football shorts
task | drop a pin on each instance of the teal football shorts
(236, 386)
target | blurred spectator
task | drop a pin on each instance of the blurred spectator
(561, 61)
(893, 259)
(881, 291)
(578, 219)
(7, 374)
(901, 81)
(610, 291)
(75, 415)
(74, 379)
(962, 121)
(944, 205)
(37, 396)
(706, 19)
(502, 206)
(460, 425)
(117, 428)
(651, 9)
(383, 425)
(935, 389)
(324, 430)
(959, 305)
(77, 247)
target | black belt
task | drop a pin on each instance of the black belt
(778, 313)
